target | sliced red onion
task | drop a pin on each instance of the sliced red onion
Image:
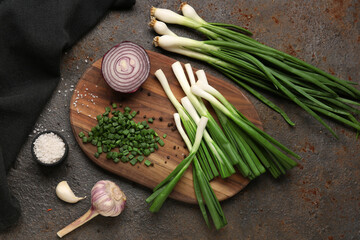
(125, 67)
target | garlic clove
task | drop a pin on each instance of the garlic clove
(64, 192)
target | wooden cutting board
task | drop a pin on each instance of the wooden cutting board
(92, 95)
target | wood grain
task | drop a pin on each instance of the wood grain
(92, 95)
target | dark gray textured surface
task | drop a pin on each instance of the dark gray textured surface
(320, 199)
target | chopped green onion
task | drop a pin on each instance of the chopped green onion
(117, 131)
(133, 161)
(147, 163)
(161, 142)
(124, 159)
(147, 152)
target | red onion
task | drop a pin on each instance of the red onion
(125, 67)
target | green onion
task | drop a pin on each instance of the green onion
(248, 131)
(124, 159)
(133, 161)
(203, 154)
(99, 149)
(256, 150)
(160, 27)
(203, 191)
(177, 173)
(254, 65)
(115, 130)
(222, 164)
(147, 162)
(223, 153)
(161, 142)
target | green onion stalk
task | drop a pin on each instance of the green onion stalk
(203, 190)
(224, 154)
(163, 189)
(238, 138)
(192, 20)
(261, 148)
(254, 155)
(221, 163)
(203, 154)
(253, 65)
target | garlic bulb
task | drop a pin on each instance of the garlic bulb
(64, 192)
(107, 199)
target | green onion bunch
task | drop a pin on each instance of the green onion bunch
(207, 154)
(252, 65)
(201, 161)
(241, 144)
(255, 150)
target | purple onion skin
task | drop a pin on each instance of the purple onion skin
(125, 93)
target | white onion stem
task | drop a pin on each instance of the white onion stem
(181, 77)
(213, 91)
(189, 12)
(190, 73)
(165, 85)
(167, 41)
(172, 17)
(198, 91)
(199, 132)
(201, 76)
(160, 27)
(181, 131)
(190, 109)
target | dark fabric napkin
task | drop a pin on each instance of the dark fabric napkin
(33, 36)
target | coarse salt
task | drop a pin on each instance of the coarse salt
(49, 148)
